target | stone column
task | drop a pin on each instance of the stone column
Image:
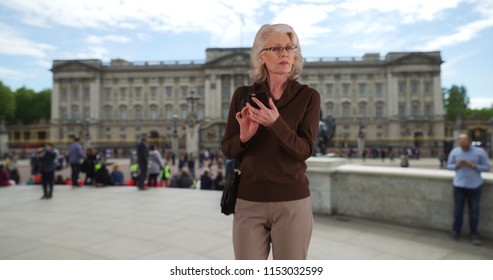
(96, 109)
(392, 96)
(437, 96)
(55, 123)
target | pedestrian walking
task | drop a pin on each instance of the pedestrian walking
(142, 160)
(75, 156)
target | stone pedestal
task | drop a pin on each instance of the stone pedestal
(4, 139)
(192, 139)
(361, 146)
(319, 171)
(174, 145)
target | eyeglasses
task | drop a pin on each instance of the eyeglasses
(278, 50)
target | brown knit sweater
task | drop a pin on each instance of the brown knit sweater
(273, 161)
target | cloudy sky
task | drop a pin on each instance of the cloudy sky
(35, 32)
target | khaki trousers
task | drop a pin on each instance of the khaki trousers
(286, 225)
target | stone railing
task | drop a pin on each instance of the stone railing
(409, 196)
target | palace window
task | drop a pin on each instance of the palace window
(200, 112)
(402, 87)
(153, 93)
(184, 92)
(87, 113)
(123, 113)
(362, 109)
(169, 92)
(379, 89)
(153, 113)
(169, 112)
(75, 113)
(379, 111)
(75, 93)
(402, 110)
(87, 94)
(414, 87)
(329, 109)
(64, 94)
(345, 90)
(200, 92)
(428, 87)
(138, 93)
(329, 89)
(184, 112)
(107, 94)
(108, 113)
(123, 94)
(64, 114)
(415, 110)
(362, 89)
(138, 113)
(428, 111)
(345, 110)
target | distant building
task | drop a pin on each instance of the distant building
(397, 98)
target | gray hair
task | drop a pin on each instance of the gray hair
(258, 73)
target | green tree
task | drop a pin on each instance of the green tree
(456, 102)
(32, 106)
(7, 103)
(42, 104)
(24, 101)
(480, 114)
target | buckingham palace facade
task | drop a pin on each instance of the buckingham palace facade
(391, 101)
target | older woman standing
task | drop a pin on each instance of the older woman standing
(273, 204)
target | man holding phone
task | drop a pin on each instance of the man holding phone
(468, 162)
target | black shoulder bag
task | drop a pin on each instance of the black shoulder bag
(230, 191)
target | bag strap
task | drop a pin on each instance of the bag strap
(236, 166)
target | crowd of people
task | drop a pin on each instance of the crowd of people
(148, 169)
(90, 167)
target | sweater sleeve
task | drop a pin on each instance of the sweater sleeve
(299, 144)
(231, 144)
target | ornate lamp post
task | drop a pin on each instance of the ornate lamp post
(87, 136)
(174, 144)
(192, 126)
(361, 136)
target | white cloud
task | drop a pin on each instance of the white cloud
(144, 37)
(97, 52)
(222, 18)
(479, 103)
(462, 34)
(12, 43)
(7, 73)
(410, 11)
(307, 27)
(107, 38)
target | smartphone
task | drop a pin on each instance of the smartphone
(262, 96)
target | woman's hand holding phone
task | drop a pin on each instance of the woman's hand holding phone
(264, 116)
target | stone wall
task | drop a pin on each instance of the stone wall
(410, 196)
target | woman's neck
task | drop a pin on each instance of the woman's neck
(277, 84)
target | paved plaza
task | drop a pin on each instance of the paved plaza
(164, 223)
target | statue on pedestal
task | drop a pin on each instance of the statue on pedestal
(326, 131)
